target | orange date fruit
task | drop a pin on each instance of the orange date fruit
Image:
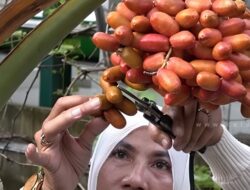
(141, 24)
(224, 7)
(153, 62)
(187, 18)
(105, 104)
(168, 80)
(136, 86)
(105, 41)
(209, 19)
(159, 19)
(227, 69)
(209, 37)
(182, 68)
(182, 40)
(198, 5)
(171, 7)
(124, 35)
(203, 65)
(208, 81)
(115, 19)
(114, 95)
(125, 11)
(115, 118)
(239, 42)
(222, 51)
(113, 74)
(126, 106)
(139, 6)
(105, 84)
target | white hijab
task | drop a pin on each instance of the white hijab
(112, 136)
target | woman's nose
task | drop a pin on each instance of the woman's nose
(136, 178)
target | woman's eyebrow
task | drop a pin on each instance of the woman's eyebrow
(159, 153)
(156, 153)
(125, 145)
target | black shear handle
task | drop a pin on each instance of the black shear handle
(164, 123)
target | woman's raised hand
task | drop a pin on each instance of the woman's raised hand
(193, 127)
(64, 157)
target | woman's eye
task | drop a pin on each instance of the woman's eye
(121, 154)
(162, 165)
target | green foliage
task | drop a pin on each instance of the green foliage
(51, 9)
(203, 178)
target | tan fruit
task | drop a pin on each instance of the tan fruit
(105, 104)
(209, 19)
(209, 37)
(125, 11)
(113, 74)
(136, 86)
(131, 57)
(115, 118)
(199, 5)
(208, 81)
(124, 35)
(126, 106)
(224, 7)
(141, 24)
(105, 84)
(171, 7)
(114, 95)
(187, 18)
(239, 42)
(115, 19)
(203, 65)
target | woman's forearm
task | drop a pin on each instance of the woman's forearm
(229, 161)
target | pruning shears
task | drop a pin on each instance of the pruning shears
(151, 112)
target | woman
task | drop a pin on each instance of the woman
(127, 158)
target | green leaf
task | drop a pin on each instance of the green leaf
(25, 57)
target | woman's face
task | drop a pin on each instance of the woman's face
(137, 162)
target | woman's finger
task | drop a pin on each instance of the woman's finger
(60, 123)
(36, 157)
(65, 103)
(176, 113)
(159, 136)
(187, 122)
(91, 131)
